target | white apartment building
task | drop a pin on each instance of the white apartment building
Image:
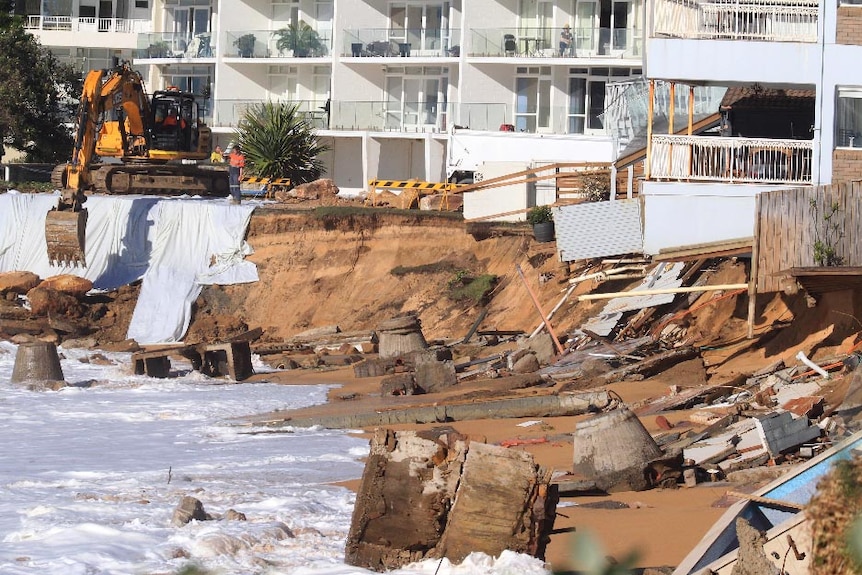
(792, 64)
(389, 78)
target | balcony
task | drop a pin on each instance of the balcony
(276, 44)
(758, 20)
(544, 43)
(228, 113)
(74, 24)
(394, 43)
(731, 160)
(168, 45)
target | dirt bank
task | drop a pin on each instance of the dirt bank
(317, 268)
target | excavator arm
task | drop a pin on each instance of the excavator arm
(112, 120)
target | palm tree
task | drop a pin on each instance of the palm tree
(279, 142)
(301, 38)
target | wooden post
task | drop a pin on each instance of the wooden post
(670, 114)
(647, 168)
(752, 280)
(544, 317)
(690, 110)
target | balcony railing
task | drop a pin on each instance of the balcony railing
(390, 42)
(176, 45)
(74, 24)
(392, 116)
(732, 160)
(764, 20)
(228, 113)
(265, 44)
(544, 43)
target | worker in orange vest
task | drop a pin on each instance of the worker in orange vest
(236, 161)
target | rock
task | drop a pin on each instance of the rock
(68, 283)
(690, 477)
(17, 282)
(80, 343)
(542, 345)
(398, 384)
(450, 202)
(188, 509)
(663, 423)
(323, 188)
(234, 515)
(526, 364)
(433, 376)
(44, 301)
(215, 544)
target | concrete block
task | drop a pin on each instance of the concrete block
(232, 359)
(152, 363)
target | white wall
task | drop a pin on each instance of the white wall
(727, 62)
(677, 214)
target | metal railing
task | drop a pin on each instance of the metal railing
(265, 44)
(176, 45)
(389, 116)
(732, 160)
(393, 42)
(764, 20)
(545, 43)
(75, 24)
(228, 113)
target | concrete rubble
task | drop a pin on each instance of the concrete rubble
(437, 494)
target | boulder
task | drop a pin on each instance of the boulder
(542, 345)
(323, 188)
(44, 301)
(17, 282)
(434, 376)
(527, 363)
(188, 509)
(68, 283)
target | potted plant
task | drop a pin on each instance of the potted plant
(245, 45)
(542, 220)
(301, 38)
(159, 49)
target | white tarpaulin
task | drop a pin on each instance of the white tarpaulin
(175, 244)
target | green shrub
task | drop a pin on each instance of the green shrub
(540, 215)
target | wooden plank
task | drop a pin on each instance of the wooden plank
(767, 501)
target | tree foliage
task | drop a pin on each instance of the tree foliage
(279, 142)
(35, 94)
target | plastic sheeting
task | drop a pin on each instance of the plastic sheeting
(176, 245)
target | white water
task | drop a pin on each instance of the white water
(90, 476)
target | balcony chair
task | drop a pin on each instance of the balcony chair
(510, 45)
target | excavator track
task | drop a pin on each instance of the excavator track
(160, 179)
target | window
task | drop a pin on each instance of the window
(142, 3)
(848, 118)
(533, 99)
(423, 26)
(587, 98)
(416, 99)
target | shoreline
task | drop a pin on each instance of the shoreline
(660, 525)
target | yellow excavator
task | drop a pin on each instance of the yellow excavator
(129, 143)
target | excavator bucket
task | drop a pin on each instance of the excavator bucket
(64, 232)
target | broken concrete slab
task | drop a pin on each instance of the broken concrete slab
(435, 494)
(534, 406)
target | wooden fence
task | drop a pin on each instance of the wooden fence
(789, 222)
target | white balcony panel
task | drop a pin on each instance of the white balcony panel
(92, 39)
(729, 62)
(676, 215)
